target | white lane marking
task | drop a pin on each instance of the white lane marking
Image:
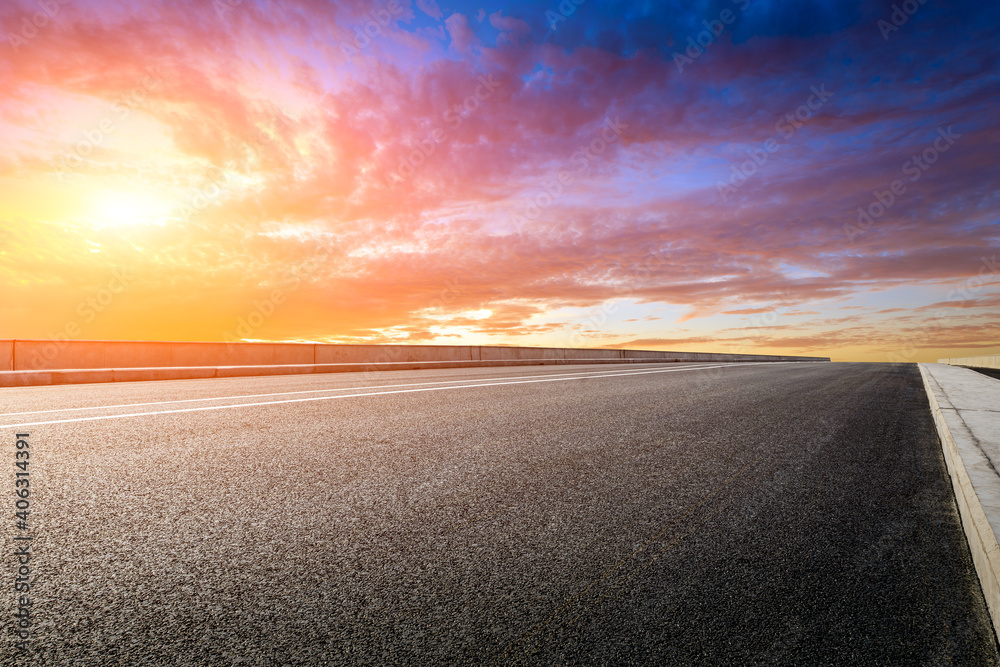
(330, 398)
(316, 391)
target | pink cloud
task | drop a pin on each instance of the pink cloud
(462, 36)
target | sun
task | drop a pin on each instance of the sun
(120, 208)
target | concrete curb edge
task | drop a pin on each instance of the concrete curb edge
(978, 532)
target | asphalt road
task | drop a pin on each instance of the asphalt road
(991, 372)
(661, 515)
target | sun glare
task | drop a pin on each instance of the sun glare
(118, 208)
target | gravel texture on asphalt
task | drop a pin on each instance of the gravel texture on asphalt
(771, 514)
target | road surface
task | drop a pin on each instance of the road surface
(990, 372)
(792, 513)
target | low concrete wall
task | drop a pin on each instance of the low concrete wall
(33, 355)
(48, 354)
(489, 353)
(576, 353)
(350, 354)
(988, 361)
(6, 355)
(43, 355)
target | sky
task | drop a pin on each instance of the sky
(742, 176)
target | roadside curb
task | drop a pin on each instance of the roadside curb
(974, 475)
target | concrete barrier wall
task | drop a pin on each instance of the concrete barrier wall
(988, 361)
(33, 355)
(40, 355)
(6, 355)
(43, 355)
(490, 353)
(576, 353)
(649, 354)
(226, 354)
(711, 356)
(361, 354)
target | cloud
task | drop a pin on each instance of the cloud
(462, 36)
(430, 7)
(512, 30)
(746, 311)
